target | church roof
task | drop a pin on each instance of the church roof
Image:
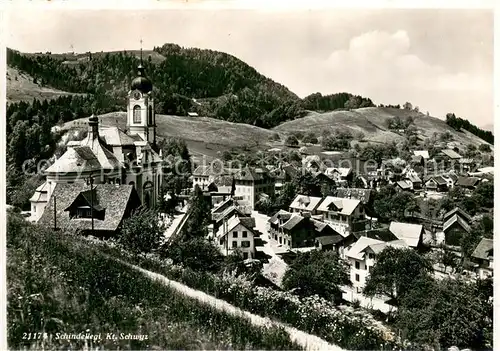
(142, 83)
(114, 136)
(76, 159)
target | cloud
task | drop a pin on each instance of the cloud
(382, 66)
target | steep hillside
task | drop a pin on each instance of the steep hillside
(22, 87)
(372, 122)
(237, 91)
(203, 135)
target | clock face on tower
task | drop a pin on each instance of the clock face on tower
(137, 95)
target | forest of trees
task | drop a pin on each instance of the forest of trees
(458, 123)
(318, 102)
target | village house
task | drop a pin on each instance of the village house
(341, 175)
(226, 210)
(482, 258)
(456, 220)
(345, 215)
(411, 234)
(436, 183)
(250, 182)
(451, 179)
(362, 257)
(404, 185)
(305, 204)
(469, 183)
(449, 154)
(421, 153)
(237, 235)
(292, 230)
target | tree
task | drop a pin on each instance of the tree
(407, 106)
(445, 313)
(392, 205)
(306, 184)
(471, 151)
(485, 148)
(196, 226)
(195, 253)
(395, 271)
(142, 232)
(317, 272)
(310, 138)
(292, 141)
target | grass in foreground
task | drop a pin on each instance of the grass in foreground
(57, 284)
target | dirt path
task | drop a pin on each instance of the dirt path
(308, 341)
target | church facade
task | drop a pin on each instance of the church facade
(109, 155)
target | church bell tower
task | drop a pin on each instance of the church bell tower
(141, 119)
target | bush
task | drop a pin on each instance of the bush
(142, 232)
(197, 253)
(292, 141)
(484, 148)
(310, 138)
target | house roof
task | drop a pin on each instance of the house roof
(41, 193)
(422, 153)
(414, 179)
(355, 193)
(111, 197)
(456, 219)
(228, 211)
(285, 215)
(329, 239)
(439, 180)
(458, 211)
(467, 181)
(379, 247)
(451, 153)
(342, 171)
(356, 251)
(251, 173)
(233, 223)
(404, 184)
(106, 158)
(484, 250)
(466, 161)
(345, 206)
(292, 222)
(411, 234)
(306, 203)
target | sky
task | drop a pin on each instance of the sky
(439, 60)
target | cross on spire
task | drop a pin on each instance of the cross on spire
(141, 50)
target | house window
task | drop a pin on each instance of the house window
(289, 243)
(357, 277)
(279, 240)
(245, 255)
(150, 115)
(245, 233)
(137, 114)
(370, 269)
(357, 265)
(34, 208)
(245, 243)
(235, 234)
(235, 244)
(371, 256)
(221, 241)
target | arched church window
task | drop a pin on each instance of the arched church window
(150, 115)
(137, 114)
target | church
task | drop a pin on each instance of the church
(108, 160)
